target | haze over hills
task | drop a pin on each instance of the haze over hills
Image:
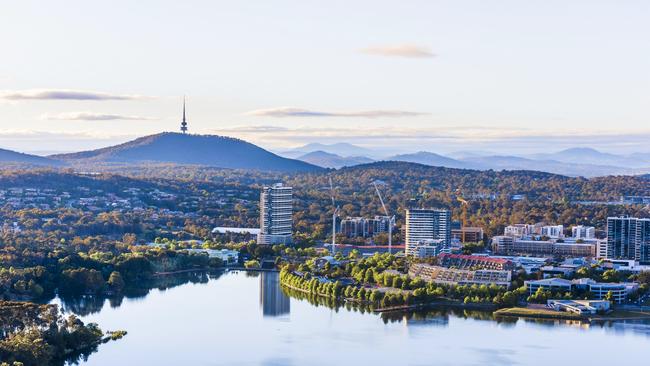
(177, 148)
(13, 157)
(497, 162)
(328, 160)
(640, 156)
(551, 166)
(585, 155)
(466, 154)
(226, 152)
(341, 149)
(585, 162)
(432, 159)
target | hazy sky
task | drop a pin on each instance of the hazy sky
(504, 76)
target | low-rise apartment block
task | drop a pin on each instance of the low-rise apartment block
(462, 261)
(361, 227)
(428, 248)
(467, 234)
(507, 245)
(451, 276)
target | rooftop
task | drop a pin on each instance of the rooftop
(580, 281)
(474, 258)
(235, 230)
(551, 282)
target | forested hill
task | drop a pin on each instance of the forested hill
(421, 180)
(67, 180)
(488, 199)
(415, 179)
(102, 183)
(13, 157)
(494, 198)
(419, 177)
(207, 150)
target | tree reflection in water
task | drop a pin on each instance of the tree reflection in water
(275, 300)
(437, 316)
(440, 316)
(85, 305)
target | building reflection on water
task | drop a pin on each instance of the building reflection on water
(272, 300)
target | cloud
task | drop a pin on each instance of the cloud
(37, 135)
(27, 140)
(409, 51)
(396, 139)
(364, 132)
(91, 116)
(257, 129)
(63, 94)
(299, 112)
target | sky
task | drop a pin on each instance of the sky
(442, 76)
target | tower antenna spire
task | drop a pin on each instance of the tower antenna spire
(184, 122)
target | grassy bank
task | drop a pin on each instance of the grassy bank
(616, 315)
(538, 313)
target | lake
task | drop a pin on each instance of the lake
(244, 318)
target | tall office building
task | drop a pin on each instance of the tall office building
(427, 224)
(276, 211)
(628, 238)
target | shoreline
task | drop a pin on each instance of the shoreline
(616, 315)
(157, 274)
(402, 308)
(208, 269)
(251, 269)
(307, 291)
(435, 304)
(511, 312)
(519, 312)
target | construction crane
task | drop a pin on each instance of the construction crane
(463, 204)
(334, 214)
(391, 219)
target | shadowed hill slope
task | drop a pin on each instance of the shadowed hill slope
(13, 157)
(208, 150)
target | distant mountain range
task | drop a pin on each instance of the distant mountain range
(585, 162)
(341, 149)
(550, 166)
(428, 158)
(584, 155)
(327, 160)
(177, 148)
(226, 152)
(13, 157)
(502, 163)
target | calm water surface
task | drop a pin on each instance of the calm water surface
(240, 318)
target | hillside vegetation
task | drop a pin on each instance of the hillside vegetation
(208, 150)
(493, 199)
(8, 157)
